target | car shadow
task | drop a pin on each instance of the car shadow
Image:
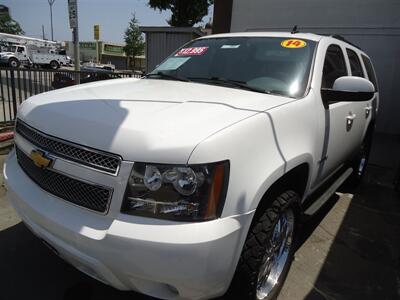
(29, 270)
(363, 261)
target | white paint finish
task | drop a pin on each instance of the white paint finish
(143, 120)
(341, 142)
(26, 56)
(301, 133)
(163, 121)
(353, 84)
(255, 161)
(197, 258)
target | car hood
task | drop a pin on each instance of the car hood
(143, 119)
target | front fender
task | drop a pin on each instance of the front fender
(255, 160)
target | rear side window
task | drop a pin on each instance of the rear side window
(355, 64)
(334, 66)
(370, 71)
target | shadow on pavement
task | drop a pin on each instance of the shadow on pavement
(364, 259)
(29, 270)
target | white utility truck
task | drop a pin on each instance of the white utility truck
(30, 52)
(192, 181)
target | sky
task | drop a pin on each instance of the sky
(112, 16)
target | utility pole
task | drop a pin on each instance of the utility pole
(96, 34)
(51, 2)
(73, 23)
(43, 37)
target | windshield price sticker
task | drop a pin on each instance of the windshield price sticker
(191, 51)
(293, 43)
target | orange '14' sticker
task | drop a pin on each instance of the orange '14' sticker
(293, 43)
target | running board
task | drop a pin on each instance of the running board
(328, 193)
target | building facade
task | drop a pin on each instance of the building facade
(162, 41)
(101, 51)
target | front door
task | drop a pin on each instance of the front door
(21, 54)
(344, 121)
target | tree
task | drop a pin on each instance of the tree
(184, 12)
(8, 25)
(133, 39)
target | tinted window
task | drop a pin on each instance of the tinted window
(370, 71)
(334, 66)
(260, 62)
(355, 64)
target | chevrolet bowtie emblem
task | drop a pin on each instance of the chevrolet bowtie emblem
(40, 159)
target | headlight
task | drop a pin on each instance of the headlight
(183, 193)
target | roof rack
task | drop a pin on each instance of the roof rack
(341, 38)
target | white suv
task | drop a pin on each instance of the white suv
(191, 182)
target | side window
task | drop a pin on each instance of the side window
(20, 50)
(370, 71)
(355, 64)
(334, 66)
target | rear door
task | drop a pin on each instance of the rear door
(344, 121)
(369, 69)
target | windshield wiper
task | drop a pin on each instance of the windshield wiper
(231, 82)
(167, 76)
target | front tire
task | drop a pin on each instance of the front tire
(13, 63)
(268, 251)
(54, 65)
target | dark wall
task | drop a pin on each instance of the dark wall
(222, 16)
(372, 24)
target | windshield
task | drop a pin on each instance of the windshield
(264, 64)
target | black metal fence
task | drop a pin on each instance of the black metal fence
(16, 85)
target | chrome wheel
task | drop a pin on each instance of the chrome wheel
(277, 255)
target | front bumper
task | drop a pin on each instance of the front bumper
(159, 258)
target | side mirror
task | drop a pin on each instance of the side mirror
(349, 89)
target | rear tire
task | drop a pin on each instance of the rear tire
(54, 65)
(13, 63)
(268, 251)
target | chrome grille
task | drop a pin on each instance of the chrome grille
(96, 159)
(81, 193)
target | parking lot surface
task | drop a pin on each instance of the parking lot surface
(349, 250)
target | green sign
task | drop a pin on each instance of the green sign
(87, 45)
(115, 49)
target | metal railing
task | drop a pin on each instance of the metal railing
(16, 85)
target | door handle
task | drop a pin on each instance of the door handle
(349, 120)
(368, 111)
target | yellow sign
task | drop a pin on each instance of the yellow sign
(293, 43)
(39, 159)
(96, 32)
